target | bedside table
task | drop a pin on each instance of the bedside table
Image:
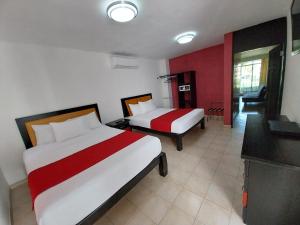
(122, 124)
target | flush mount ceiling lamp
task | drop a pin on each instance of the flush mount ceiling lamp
(185, 38)
(122, 11)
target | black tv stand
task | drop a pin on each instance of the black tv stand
(272, 175)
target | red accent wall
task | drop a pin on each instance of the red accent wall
(209, 66)
(228, 44)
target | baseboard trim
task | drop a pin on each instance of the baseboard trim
(214, 117)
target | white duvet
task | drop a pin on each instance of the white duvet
(178, 126)
(72, 200)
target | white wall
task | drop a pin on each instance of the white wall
(36, 79)
(4, 201)
(291, 91)
(165, 87)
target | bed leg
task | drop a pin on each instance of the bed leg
(203, 123)
(179, 142)
(163, 164)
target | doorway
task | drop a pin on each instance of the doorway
(256, 83)
(267, 34)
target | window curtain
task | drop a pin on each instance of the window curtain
(264, 71)
(247, 75)
(236, 81)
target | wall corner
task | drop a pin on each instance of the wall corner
(228, 70)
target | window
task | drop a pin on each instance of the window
(247, 76)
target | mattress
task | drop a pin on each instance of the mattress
(72, 200)
(178, 126)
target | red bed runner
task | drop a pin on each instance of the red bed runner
(52, 174)
(164, 123)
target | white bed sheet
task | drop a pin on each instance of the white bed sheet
(74, 199)
(178, 126)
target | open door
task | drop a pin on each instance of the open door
(275, 83)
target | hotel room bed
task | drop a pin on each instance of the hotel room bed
(179, 127)
(84, 197)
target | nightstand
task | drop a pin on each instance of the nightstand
(122, 124)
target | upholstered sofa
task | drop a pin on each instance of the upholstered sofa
(258, 96)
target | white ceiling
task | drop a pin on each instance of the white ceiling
(82, 24)
(253, 53)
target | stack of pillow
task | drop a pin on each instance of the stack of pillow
(61, 131)
(142, 107)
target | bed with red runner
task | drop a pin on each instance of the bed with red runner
(76, 181)
(165, 121)
(67, 167)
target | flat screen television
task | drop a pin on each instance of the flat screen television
(295, 15)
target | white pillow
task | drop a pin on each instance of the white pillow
(69, 129)
(91, 120)
(147, 106)
(44, 134)
(135, 109)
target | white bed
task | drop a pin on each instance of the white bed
(72, 200)
(178, 126)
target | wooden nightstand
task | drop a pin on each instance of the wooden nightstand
(122, 124)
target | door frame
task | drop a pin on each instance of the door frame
(255, 37)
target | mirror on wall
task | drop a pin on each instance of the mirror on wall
(295, 13)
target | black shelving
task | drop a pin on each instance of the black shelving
(186, 89)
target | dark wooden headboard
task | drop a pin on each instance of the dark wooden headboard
(133, 100)
(25, 123)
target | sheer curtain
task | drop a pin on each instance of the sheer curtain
(264, 71)
(250, 75)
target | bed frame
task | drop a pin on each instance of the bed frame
(24, 125)
(177, 137)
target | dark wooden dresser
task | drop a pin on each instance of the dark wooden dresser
(272, 176)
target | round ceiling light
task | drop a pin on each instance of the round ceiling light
(122, 11)
(185, 37)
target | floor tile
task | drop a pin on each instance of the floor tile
(217, 148)
(212, 155)
(21, 195)
(228, 169)
(206, 169)
(153, 183)
(179, 176)
(178, 217)
(121, 212)
(196, 151)
(237, 206)
(235, 219)
(104, 221)
(138, 218)
(227, 181)
(221, 196)
(169, 190)
(198, 185)
(188, 202)
(211, 214)
(24, 218)
(155, 208)
(139, 194)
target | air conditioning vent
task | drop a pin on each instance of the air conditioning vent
(124, 62)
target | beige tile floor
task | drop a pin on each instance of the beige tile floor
(203, 187)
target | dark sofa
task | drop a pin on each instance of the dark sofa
(258, 96)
